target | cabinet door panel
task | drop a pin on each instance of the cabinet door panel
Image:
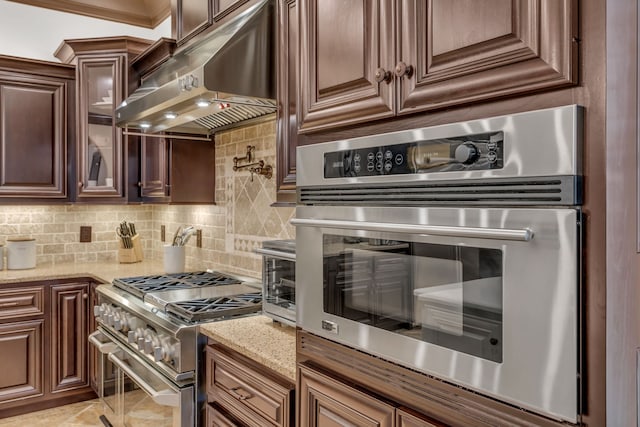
(69, 324)
(216, 418)
(405, 418)
(193, 17)
(344, 42)
(476, 50)
(287, 121)
(325, 402)
(21, 353)
(153, 167)
(100, 146)
(192, 171)
(32, 125)
(223, 8)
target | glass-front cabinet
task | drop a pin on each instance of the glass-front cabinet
(102, 82)
(99, 150)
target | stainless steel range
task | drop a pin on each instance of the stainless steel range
(147, 338)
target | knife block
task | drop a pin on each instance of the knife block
(131, 255)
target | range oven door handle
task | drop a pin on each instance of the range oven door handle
(276, 254)
(103, 347)
(163, 397)
(524, 234)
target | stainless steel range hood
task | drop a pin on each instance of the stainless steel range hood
(226, 78)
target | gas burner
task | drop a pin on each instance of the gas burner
(216, 308)
(142, 285)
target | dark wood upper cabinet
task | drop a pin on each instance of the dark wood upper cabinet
(192, 17)
(470, 50)
(34, 128)
(343, 44)
(366, 60)
(103, 81)
(154, 167)
(224, 8)
(175, 170)
(287, 91)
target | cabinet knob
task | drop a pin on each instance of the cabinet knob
(403, 69)
(85, 296)
(140, 184)
(383, 76)
(80, 184)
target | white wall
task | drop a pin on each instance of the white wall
(34, 32)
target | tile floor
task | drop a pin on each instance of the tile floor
(74, 415)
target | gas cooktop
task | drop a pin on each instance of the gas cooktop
(142, 285)
(196, 296)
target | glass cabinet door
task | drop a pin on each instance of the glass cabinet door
(100, 172)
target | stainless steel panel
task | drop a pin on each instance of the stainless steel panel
(540, 300)
(536, 144)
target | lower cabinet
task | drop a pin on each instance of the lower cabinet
(21, 356)
(44, 327)
(217, 418)
(242, 392)
(327, 402)
(69, 336)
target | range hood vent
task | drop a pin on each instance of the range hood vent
(226, 78)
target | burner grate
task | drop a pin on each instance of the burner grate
(216, 308)
(142, 285)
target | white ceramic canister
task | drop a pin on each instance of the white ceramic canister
(21, 253)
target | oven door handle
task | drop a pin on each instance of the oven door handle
(524, 234)
(164, 397)
(276, 254)
(103, 347)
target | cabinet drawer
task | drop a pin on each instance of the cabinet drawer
(216, 418)
(236, 384)
(21, 302)
(408, 418)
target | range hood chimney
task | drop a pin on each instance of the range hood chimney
(226, 78)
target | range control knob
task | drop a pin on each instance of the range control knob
(117, 322)
(158, 353)
(466, 153)
(148, 345)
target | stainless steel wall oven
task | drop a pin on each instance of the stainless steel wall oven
(454, 250)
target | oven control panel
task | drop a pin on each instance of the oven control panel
(471, 152)
(140, 335)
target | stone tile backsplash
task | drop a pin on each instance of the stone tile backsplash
(241, 219)
(57, 230)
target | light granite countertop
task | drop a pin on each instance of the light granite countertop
(102, 271)
(256, 337)
(260, 339)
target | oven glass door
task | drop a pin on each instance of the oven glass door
(482, 297)
(446, 295)
(106, 372)
(146, 398)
